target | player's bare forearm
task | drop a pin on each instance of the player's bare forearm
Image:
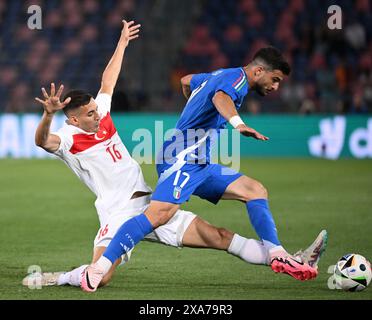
(51, 105)
(185, 83)
(42, 131)
(224, 105)
(43, 137)
(112, 70)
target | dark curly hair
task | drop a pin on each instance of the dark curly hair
(272, 59)
(78, 98)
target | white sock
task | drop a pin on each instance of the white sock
(269, 245)
(275, 249)
(104, 263)
(250, 250)
(73, 277)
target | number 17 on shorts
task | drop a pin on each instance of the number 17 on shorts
(178, 187)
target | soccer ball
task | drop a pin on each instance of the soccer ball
(352, 273)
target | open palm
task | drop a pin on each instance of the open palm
(52, 102)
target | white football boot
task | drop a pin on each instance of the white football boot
(312, 254)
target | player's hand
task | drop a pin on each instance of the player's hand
(250, 132)
(52, 102)
(129, 31)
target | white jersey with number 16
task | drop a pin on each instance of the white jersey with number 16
(102, 162)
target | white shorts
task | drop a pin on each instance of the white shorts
(169, 234)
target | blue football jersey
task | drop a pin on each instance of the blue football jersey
(200, 122)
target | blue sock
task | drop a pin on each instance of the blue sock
(262, 220)
(129, 234)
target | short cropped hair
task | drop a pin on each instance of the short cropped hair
(272, 59)
(78, 98)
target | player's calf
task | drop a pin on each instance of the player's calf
(201, 234)
(224, 238)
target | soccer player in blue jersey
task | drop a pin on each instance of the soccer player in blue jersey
(184, 166)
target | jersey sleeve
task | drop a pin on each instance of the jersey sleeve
(103, 101)
(66, 141)
(232, 83)
(197, 80)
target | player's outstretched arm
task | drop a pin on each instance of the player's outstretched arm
(51, 104)
(226, 107)
(112, 70)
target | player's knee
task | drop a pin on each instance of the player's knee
(262, 191)
(164, 216)
(160, 215)
(255, 190)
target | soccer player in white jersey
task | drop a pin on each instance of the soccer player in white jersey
(90, 145)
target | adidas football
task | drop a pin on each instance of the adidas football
(352, 273)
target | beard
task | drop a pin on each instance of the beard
(260, 90)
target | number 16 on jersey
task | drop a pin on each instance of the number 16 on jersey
(114, 153)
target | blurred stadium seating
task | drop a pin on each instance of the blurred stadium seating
(332, 69)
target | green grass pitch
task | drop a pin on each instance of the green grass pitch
(48, 219)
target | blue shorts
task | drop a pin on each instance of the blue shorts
(207, 181)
